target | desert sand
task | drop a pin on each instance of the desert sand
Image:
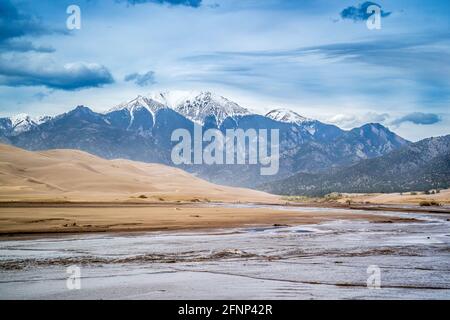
(407, 198)
(71, 175)
(67, 218)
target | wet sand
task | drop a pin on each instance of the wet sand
(40, 218)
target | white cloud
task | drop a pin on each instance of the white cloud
(349, 121)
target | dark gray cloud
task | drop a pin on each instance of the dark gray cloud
(359, 13)
(17, 29)
(142, 80)
(15, 25)
(18, 45)
(188, 3)
(419, 118)
(74, 76)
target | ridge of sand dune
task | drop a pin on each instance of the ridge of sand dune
(72, 175)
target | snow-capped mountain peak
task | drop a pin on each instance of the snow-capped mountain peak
(196, 106)
(173, 98)
(22, 122)
(208, 104)
(139, 102)
(140, 113)
(288, 116)
(20, 118)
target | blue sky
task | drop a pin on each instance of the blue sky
(316, 57)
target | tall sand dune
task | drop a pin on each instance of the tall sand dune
(71, 175)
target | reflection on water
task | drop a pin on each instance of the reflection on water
(328, 260)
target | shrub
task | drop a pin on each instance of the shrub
(333, 196)
(296, 198)
(429, 203)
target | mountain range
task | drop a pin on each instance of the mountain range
(420, 166)
(141, 129)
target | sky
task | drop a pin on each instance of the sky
(316, 57)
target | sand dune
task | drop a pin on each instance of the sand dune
(71, 175)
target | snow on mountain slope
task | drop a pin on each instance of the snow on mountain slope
(193, 105)
(208, 104)
(140, 113)
(139, 102)
(288, 116)
(173, 98)
(22, 123)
